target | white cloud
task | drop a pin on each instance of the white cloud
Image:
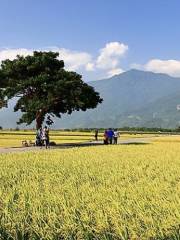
(110, 55)
(90, 67)
(136, 66)
(115, 71)
(12, 53)
(171, 67)
(107, 62)
(73, 60)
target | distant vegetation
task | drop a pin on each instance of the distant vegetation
(101, 130)
(128, 129)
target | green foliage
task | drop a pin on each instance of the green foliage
(43, 86)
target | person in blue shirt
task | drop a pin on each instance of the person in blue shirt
(110, 134)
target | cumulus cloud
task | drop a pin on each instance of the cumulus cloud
(12, 53)
(74, 60)
(110, 55)
(106, 63)
(115, 71)
(171, 67)
(90, 67)
(136, 66)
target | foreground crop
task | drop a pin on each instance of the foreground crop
(112, 192)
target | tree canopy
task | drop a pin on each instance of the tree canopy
(42, 86)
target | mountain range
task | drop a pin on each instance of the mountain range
(134, 98)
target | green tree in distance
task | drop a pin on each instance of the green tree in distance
(43, 87)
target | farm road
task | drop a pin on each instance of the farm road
(70, 145)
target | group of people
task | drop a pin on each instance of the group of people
(42, 137)
(110, 136)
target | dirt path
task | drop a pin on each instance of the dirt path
(71, 145)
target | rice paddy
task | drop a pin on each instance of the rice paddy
(99, 192)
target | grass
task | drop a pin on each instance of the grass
(106, 192)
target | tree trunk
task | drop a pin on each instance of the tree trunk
(39, 119)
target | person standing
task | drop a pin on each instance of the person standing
(39, 137)
(45, 136)
(116, 135)
(110, 134)
(96, 135)
(106, 137)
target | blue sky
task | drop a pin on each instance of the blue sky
(97, 38)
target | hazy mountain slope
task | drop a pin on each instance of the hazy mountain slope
(130, 99)
(124, 93)
(160, 113)
(8, 117)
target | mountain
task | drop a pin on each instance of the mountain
(164, 112)
(133, 98)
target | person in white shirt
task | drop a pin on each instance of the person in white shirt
(115, 137)
(45, 136)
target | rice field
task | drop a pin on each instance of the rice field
(15, 138)
(101, 192)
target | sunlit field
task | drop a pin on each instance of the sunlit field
(101, 192)
(15, 138)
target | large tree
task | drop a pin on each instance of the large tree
(43, 87)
